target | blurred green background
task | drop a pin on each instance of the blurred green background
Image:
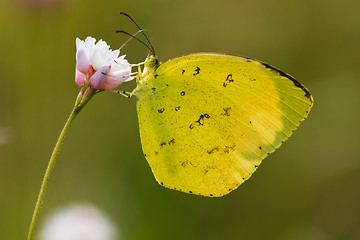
(308, 189)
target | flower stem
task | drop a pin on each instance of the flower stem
(76, 109)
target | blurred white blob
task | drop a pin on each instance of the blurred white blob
(78, 222)
(6, 135)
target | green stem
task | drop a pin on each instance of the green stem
(84, 96)
(49, 168)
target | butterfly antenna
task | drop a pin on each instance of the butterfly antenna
(133, 36)
(128, 16)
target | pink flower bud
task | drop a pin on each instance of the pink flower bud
(80, 78)
(82, 61)
(117, 78)
(98, 79)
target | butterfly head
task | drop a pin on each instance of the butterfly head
(150, 65)
(152, 62)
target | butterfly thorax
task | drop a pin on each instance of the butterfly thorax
(148, 73)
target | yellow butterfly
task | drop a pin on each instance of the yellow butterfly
(207, 120)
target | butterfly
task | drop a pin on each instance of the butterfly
(207, 120)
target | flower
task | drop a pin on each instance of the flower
(78, 222)
(99, 66)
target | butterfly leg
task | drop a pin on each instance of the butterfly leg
(123, 93)
(139, 74)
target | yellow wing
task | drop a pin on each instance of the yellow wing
(207, 120)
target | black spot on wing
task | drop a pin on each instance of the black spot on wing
(184, 163)
(226, 111)
(200, 121)
(187, 163)
(197, 71)
(182, 93)
(161, 110)
(208, 168)
(228, 149)
(229, 79)
(248, 59)
(213, 150)
(192, 164)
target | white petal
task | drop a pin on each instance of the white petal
(122, 57)
(89, 45)
(113, 54)
(119, 64)
(102, 44)
(79, 44)
(125, 72)
(96, 59)
(90, 41)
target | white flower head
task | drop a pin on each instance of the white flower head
(78, 222)
(99, 66)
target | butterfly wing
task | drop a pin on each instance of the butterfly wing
(207, 120)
